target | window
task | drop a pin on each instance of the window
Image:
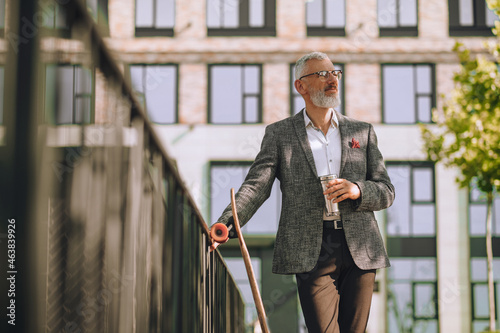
(325, 17)
(412, 295)
(241, 17)
(471, 18)
(55, 18)
(297, 102)
(238, 271)
(479, 292)
(2, 18)
(397, 17)
(411, 244)
(227, 175)
(235, 94)
(408, 93)
(478, 268)
(154, 18)
(69, 94)
(156, 88)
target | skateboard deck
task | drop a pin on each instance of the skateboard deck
(220, 234)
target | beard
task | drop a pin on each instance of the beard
(320, 99)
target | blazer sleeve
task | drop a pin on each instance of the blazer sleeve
(257, 185)
(377, 191)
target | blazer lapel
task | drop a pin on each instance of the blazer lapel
(300, 129)
(345, 134)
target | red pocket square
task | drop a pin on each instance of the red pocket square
(355, 143)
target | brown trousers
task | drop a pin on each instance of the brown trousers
(336, 295)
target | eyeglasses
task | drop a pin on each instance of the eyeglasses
(325, 75)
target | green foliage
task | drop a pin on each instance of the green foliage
(467, 130)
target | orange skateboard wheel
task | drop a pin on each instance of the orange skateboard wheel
(219, 232)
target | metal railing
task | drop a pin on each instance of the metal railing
(109, 238)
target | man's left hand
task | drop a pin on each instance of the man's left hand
(342, 189)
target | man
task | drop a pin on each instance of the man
(334, 261)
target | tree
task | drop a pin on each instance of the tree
(467, 132)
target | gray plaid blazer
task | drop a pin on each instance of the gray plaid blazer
(286, 154)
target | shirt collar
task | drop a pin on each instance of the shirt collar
(334, 121)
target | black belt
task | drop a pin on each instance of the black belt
(335, 224)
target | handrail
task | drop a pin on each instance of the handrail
(117, 244)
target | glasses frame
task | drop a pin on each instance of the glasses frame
(337, 73)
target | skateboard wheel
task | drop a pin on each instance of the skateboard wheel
(219, 232)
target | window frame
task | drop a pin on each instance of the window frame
(432, 95)
(399, 30)
(415, 245)
(51, 118)
(414, 283)
(294, 93)
(260, 96)
(479, 282)
(478, 29)
(176, 107)
(153, 31)
(53, 30)
(244, 29)
(324, 31)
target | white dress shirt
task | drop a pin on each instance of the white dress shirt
(326, 149)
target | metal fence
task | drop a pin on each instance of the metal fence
(108, 238)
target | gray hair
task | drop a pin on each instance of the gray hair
(301, 63)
